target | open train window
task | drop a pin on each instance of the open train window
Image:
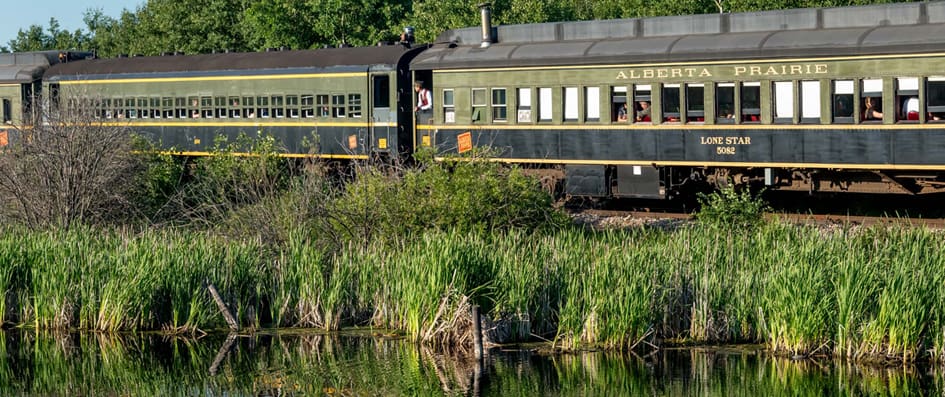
(570, 103)
(194, 109)
(725, 103)
(670, 101)
(6, 111)
(180, 108)
(842, 104)
(107, 108)
(784, 102)
(907, 99)
(642, 99)
(545, 109)
(449, 106)
(131, 110)
(619, 106)
(524, 109)
(156, 107)
(935, 99)
(591, 103)
(810, 102)
(751, 102)
(695, 103)
(234, 102)
(871, 105)
(321, 101)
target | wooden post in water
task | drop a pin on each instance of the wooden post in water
(235, 326)
(477, 332)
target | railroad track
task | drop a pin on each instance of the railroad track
(629, 218)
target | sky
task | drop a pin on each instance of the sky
(20, 14)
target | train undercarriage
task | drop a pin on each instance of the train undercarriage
(684, 182)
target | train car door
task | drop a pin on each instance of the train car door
(423, 120)
(383, 116)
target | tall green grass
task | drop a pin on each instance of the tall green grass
(870, 293)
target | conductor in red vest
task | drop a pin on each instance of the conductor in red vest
(424, 108)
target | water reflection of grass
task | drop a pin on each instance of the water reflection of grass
(319, 364)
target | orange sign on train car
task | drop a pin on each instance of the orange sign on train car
(464, 142)
(3, 138)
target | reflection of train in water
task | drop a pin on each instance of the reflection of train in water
(833, 99)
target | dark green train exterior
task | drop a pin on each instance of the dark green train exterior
(339, 103)
(775, 98)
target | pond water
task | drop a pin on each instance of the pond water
(365, 364)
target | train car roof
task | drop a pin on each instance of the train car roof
(861, 30)
(25, 67)
(270, 62)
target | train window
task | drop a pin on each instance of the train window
(641, 107)
(695, 103)
(381, 91)
(784, 101)
(219, 104)
(143, 110)
(7, 115)
(544, 104)
(935, 98)
(262, 106)
(167, 107)
(155, 107)
(106, 108)
(278, 106)
(591, 103)
(871, 107)
(131, 111)
(354, 105)
(570, 103)
(194, 109)
(810, 101)
(449, 107)
(725, 103)
(308, 101)
(670, 102)
(292, 106)
(249, 107)
(619, 106)
(500, 110)
(322, 102)
(206, 107)
(337, 105)
(524, 108)
(907, 98)
(478, 103)
(842, 101)
(751, 102)
(234, 102)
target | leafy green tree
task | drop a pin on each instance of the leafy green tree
(35, 38)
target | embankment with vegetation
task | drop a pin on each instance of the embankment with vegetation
(132, 242)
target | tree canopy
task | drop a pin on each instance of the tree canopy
(203, 26)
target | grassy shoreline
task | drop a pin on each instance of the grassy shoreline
(873, 293)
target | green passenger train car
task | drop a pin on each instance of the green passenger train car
(20, 82)
(336, 103)
(845, 99)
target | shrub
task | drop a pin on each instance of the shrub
(730, 208)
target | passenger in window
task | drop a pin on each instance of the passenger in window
(872, 109)
(726, 113)
(622, 112)
(643, 111)
(910, 108)
(844, 106)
